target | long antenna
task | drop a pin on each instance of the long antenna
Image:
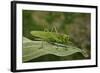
(55, 29)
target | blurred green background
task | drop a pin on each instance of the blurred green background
(76, 25)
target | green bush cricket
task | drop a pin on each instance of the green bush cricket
(52, 37)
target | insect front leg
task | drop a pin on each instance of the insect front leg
(42, 45)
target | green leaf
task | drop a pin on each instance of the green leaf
(34, 49)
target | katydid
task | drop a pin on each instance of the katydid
(52, 37)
